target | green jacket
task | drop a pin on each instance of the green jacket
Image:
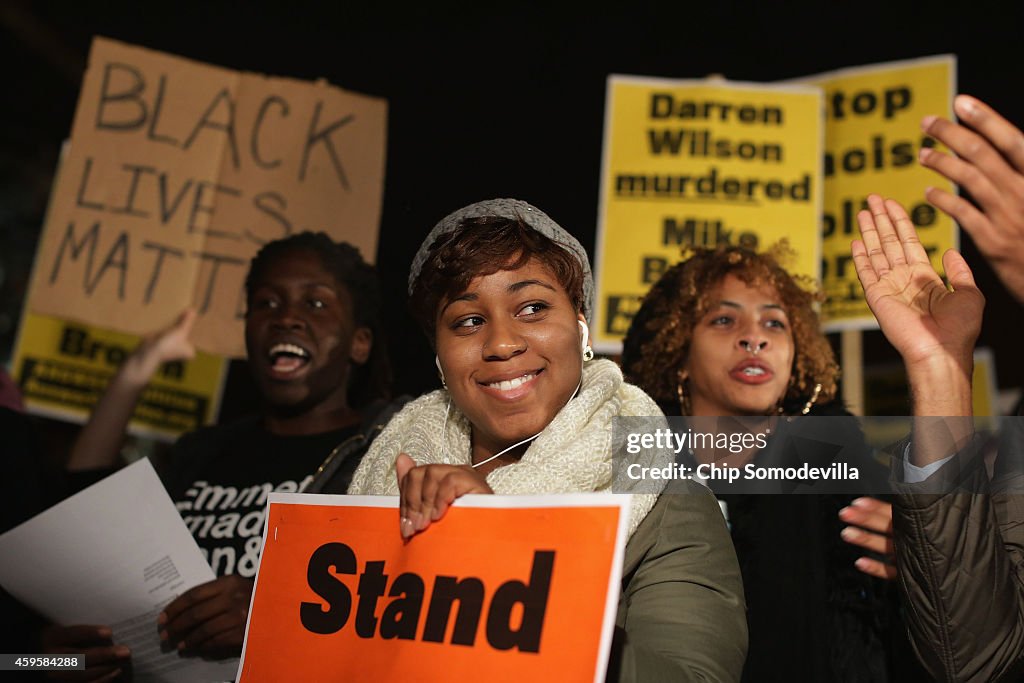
(681, 615)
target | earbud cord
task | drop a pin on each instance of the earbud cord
(444, 429)
(503, 452)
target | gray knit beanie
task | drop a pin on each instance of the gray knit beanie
(512, 209)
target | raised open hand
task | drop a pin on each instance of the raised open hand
(918, 314)
(990, 165)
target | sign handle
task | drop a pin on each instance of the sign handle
(852, 354)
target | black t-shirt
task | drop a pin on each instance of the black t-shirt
(220, 479)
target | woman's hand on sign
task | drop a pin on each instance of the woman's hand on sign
(919, 316)
(990, 166)
(427, 491)
(874, 519)
(208, 620)
(104, 661)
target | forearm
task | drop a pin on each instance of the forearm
(99, 443)
(940, 391)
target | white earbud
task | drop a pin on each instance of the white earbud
(440, 372)
(588, 353)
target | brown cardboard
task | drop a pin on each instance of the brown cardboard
(179, 171)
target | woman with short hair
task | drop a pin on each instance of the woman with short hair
(504, 293)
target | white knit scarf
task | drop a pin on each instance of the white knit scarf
(573, 454)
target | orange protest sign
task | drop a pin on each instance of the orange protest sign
(503, 588)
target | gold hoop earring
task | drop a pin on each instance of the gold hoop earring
(814, 397)
(684, 399)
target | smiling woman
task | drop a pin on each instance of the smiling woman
(504, 293)
(507, 339)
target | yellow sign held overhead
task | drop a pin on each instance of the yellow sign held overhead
(700, 164)
(872, 140)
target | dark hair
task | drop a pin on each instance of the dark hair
(482, 246)
(371, 380)
(658, 341)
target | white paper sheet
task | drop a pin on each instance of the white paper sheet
(113, 554)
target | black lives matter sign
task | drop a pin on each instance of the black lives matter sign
(178, 172)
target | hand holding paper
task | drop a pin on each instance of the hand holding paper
(209, 620)
(115, 554)
(103, 659)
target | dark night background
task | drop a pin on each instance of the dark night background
(485, 100)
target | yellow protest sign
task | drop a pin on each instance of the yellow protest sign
(62, 368)
(872, 140)
(984, 396)
(888, 392)
(700, 163)
(178, 172)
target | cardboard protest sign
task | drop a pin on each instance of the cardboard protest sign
(872, 140)
(700, 163)
(178, 172)
(62, 368)
(504, 588)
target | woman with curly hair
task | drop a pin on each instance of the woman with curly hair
(728, 332)
(748, 300)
